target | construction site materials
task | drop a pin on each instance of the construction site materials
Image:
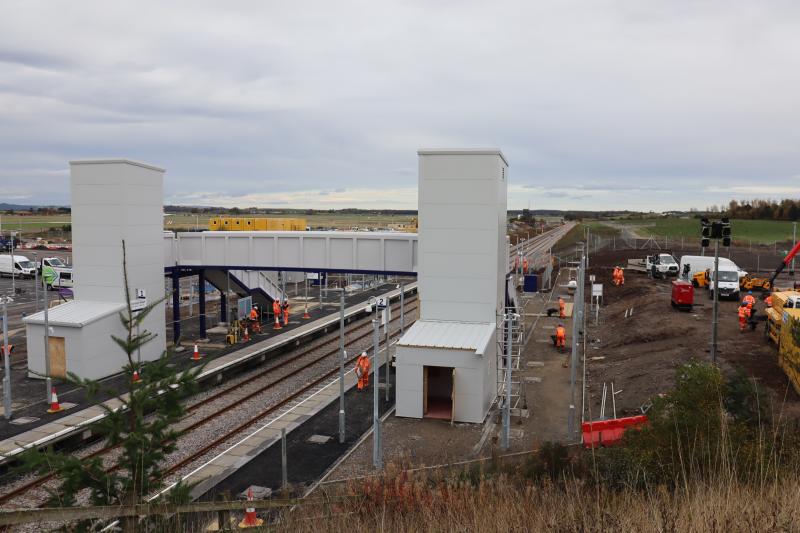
(256, 224)
(55, 406)
(682, 295)
(789, 347)
(780, 301)
(609, 432)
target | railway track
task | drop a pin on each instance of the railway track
(235, 390)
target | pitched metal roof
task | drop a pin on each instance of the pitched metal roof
(453, 335)
(75, 314)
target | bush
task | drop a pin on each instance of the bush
(707, 427)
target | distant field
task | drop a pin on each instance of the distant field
(340, 221)
(757, 231)
(38, 225)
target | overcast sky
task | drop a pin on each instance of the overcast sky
(596, 104)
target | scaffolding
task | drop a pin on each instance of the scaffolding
(510, 326)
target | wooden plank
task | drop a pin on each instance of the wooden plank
(58, 357)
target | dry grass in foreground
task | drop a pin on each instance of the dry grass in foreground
(501, 505)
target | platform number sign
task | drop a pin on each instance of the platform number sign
(386, 311)
(140, 301)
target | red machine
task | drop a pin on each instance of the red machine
(786, 260)
(682, 295)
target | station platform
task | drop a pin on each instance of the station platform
(75, 423)
(256, 458)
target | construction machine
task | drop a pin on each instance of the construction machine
(702, 279)
(749, 283)
(786, 260)
(781, 300)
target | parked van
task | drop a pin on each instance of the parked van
(56, 272)
(22, 267)
(729, 273)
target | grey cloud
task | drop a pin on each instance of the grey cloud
(608, 107)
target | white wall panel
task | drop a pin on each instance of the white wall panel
(369, 255)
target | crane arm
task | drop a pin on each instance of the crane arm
(786, 260)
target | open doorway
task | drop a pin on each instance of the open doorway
(437, 391)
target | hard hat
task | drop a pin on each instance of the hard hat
(363, 354)
(749, 292)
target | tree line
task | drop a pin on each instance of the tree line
(786, 209)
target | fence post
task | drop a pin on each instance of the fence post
(284, 469)
(224, 515)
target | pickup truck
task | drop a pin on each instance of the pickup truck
(661, 265)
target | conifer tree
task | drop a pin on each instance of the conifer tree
(142, 427)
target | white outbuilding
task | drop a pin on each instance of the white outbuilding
(112, 201)
(446, 363)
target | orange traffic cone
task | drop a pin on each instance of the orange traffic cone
(306, 316)
(246, 336)
(277, 322)
(136, 378)
(54, 405)
(196, 354)
(250, 518)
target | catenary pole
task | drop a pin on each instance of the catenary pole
(377, 460)
(342, 357)
(7, 363)
(47, 380)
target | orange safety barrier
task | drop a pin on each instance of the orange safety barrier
(609, 432)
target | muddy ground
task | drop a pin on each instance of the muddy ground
(640, 353)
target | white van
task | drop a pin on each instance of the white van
(729, 273)
(22, 267)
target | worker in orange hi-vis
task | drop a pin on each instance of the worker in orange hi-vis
(615, 276)
(362, 371)
(562, 308)
(254, 314)
(525, 266)
(621, 276)
(561, 337)
(285, 308)
(276, 310)
(744, 314)
(768, 300)
(749, 298)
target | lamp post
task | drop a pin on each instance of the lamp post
(377, 448)
(7, 362)
(13, 268)
(35, 282)
(342, 357)
(48, 382)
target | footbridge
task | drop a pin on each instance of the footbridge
(248, 262)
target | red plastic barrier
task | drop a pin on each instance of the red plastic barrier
(609, 432)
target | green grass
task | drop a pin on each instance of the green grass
(757, 231)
